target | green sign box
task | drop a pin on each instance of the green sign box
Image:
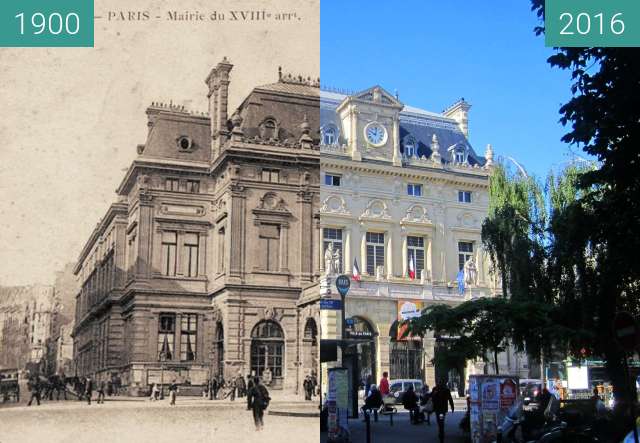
(592, 23)
(46, 23)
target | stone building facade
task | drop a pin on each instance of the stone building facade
(403, 195)
(27, 317)
(207, 264)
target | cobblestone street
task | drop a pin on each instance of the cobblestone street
(191, 420)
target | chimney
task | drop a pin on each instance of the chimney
(218, 83)
(459, 111)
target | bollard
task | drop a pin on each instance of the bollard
(367, 420)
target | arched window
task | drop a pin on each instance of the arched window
(329, 135)
(269, 129)
(405, 356)
(410, 147)
(267, 348)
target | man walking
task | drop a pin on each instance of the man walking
(214, 389)
(173, 393)
(240, 385)
(34, 386)
(260, 401)
(101, 392)
(250, 385)
(307, 385)
(441, 398)
(88, 389)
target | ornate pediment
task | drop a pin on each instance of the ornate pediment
(417, 214)
(377, 94)
(377, 210)
(334, 204)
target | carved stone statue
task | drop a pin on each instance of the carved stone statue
(331, 260)
(470, 272)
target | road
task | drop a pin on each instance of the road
(191, 420)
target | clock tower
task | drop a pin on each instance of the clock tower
(370, 123)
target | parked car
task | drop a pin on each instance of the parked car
(398, 387)
(530, 388)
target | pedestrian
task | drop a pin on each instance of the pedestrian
(152, 392)
(426, 403)
(441, 397)
(260, 401)
(307, 385)
(117, 385)
(173, 392)
(240, 385)
(205, 389)
(214, 388)
(101, 392)
(373, 402)
(34, 387)
(367, 385)
(109, 387)
(250, 385)
(384, 384)
(88, 389)
(410, 403)
(314, 382)
(231, 390)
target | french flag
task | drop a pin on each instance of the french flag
(412, 268)
(355, 274)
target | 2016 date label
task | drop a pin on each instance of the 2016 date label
(592, 23)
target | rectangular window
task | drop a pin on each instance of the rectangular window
(191, 249)
(188, 337)
(459, 157)
(166, 336)
(332, 180)
(465, 252)
(221, 246)
(332, 235)
(169, 259)
(415, 253)
(375, 251)
(171, 184)
(271, 175)
(464, 196)
(414, 189)
(270, 246)
(193, 186)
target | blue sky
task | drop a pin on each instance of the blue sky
(434, 52)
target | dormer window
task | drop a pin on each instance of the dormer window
(329, 135)
(459, 156)
(269, 129)
(410, 147)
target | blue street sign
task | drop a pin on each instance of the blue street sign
(342, 284)
(330, 304)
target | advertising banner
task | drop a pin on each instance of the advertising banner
(407, 309)
(338, 403)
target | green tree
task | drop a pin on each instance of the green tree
(604, 121)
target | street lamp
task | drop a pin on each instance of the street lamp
(163, 358)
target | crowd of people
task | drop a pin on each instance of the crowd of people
(421, 405)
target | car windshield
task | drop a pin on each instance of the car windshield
(417, 385)
(396, 387)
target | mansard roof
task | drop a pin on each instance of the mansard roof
(418, 123)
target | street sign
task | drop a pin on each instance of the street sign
(330, 304)
(625, 331)
(342, 284)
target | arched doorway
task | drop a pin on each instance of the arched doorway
(361, 329)
(405, 355)
(310, 342)
(219, 349)
(267, 350)
(449, 365)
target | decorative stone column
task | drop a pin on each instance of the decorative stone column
(237, 232)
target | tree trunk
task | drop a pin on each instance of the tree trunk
(495, 361)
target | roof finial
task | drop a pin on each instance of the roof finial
(279, 73)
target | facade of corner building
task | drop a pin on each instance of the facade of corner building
(207, 265)
(403, 195)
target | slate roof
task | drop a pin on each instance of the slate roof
(415, 122)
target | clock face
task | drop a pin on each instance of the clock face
(376, 134)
